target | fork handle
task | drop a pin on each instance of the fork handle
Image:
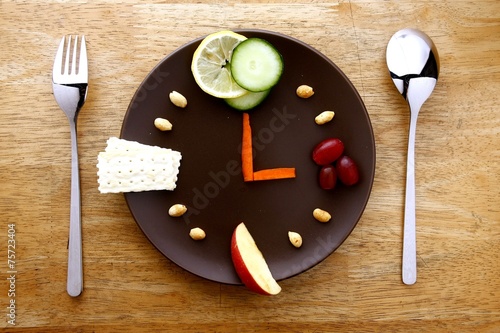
(75, 267)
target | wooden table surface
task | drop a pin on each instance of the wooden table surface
(130, 287)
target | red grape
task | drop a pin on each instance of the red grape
(327, 177)
(327, 151)
(347, 170)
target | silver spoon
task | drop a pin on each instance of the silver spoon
(413, 63)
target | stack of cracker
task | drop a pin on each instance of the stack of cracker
(129, 166)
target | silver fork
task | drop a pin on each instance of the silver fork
(70, 83)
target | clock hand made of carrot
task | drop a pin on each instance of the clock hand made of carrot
(247, 159)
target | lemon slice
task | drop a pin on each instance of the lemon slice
(210, 65)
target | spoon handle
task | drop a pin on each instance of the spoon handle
(409, 269)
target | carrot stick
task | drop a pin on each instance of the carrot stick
(276, 173)
(247, 159)
(246, 150)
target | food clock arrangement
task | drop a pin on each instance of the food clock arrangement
(245, 157)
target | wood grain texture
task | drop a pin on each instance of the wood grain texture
(131, 287)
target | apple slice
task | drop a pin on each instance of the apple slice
(250, 264)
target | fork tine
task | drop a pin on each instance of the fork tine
(66, 61)
(56, 71)
(82, 66)
(72, 48)
(73, 61)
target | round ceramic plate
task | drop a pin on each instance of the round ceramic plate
(208, 133)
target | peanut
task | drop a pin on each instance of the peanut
(197, 234)
(177, 210)
(304, 91)
(321, 215)
(295, 238)
(324, 117)
(178, 99)
(163, 124)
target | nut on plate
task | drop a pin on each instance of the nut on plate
(304, 91)
(163, 124)
(177, 210)
(178, 99)
(324, 117)
(197, 234)
(295, 238)
(321, 215)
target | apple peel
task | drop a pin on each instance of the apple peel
(250, 264)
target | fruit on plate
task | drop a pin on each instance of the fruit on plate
(247, 101)
(327, 177)
(210, 64)
(328, 151)
(238, 69)
(347, 170)
(250, 264)
(256, 64)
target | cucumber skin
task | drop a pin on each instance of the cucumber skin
(279, 60)
(247, 101)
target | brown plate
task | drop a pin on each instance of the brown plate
(208, 134)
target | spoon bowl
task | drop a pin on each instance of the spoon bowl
(413, 64)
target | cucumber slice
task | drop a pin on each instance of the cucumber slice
(256, 65)
(247, 101)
